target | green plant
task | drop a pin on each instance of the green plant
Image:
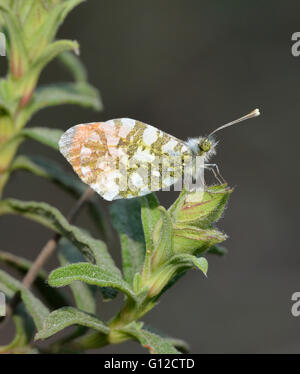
(158, 246)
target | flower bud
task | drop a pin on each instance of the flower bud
(200, 209)
(191, 239)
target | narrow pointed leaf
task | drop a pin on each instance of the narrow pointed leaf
(90, 274)
(34, 307)
(18, 54)
(126, 219)
(150, 217)
(44, 135)
(84, 294)
(24, 325)
(68, 316)
(81, 94)
(193, 240)
(29, 80)
(24, 330)
(163, 238)
(180, 344)
(185, 260)
(154, 343)
(74, 65)
(22, 265)
(54, 172)
(52, 22)
(49, 53)
(94, 250)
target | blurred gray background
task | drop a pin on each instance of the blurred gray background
(187, 67)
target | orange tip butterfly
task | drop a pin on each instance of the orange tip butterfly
(102, 153)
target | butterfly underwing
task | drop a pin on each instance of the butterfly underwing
(125, 158)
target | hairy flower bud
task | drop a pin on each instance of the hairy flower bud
(200, 209)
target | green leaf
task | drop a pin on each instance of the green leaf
(84, 295)
(48, 54)
(17, 54)
(193, 240)
(94, 250)
(185, 260)
(79, 93)
(150, 216)
(24, 324)
(54, 19)
(163, 238)
(201, 263)
(51, 295)
(35, 308)
(170, 272)
(90, 274)
(29, 80)
(48, 169)
(155, 343)
(44, 135)
(126, 219)
(180, 344)
(20, 264)
(74, 65)
(24, 330)
(22, 8)
(5, 106)
(68, 316)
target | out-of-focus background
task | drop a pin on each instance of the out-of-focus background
(187, 67)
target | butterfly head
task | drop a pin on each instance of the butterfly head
(203, 146)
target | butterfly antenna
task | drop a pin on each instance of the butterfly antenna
(254, 113)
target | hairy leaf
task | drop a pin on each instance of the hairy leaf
(163, 238)
(187, 211)
(155, 343)
(18, 54)
(54, 19)
(193, 240)
(49, 53)
(80, 93)
(84, 294)
(74, 65)
(177, 267)
(150, 216)
(24, 330)
(185, 260)
(24, 324)
(44, 135)
(35, 308)
(51, 295)
(180, 344)
(48, 169)
(126, 219)
(90, 274)
(94, 250)
(68, 316)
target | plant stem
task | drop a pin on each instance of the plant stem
(47, 251)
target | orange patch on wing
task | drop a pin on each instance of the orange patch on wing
(80, 136)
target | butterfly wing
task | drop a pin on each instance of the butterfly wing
(121, 158)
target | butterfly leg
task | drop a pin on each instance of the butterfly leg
(216, 172)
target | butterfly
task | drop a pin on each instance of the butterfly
(126, 158)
